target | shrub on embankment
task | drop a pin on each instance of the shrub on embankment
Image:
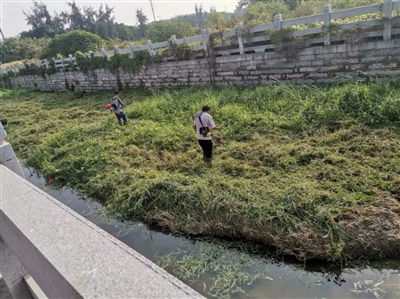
(313, 171)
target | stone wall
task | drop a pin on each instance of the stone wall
(352, 61)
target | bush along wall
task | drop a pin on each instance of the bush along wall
(88, 63)
(114, 63)
(308, 65)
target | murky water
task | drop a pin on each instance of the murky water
(283, 278)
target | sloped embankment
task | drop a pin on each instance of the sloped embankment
(311, 171)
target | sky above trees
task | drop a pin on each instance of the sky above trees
(13, 20)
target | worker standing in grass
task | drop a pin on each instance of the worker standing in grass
(203, 122)
(119, 108)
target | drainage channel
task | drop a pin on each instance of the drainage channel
(280, 278)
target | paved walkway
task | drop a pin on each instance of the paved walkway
(4, 292)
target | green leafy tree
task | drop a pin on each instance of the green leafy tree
(201, 15)
(74, 17)
(134, 32)
(123, 32)
(191, 19)
(89, 19)
(142, 21)
(290, 3)
(58, 24)
(100, 21)
(13, 49)
(261, 12)
(162, 30)
(40, 20)
(71, 42)
(102, 30)
(216, 21)
(105, 22)
(243, 3)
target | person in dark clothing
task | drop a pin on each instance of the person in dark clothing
(203, 124)
(119, 108)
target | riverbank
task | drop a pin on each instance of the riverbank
(313, 172)
(211, 267)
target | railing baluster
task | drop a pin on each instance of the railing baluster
(327, 23)
(239, 28)
(387, 31)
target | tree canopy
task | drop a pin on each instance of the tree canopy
(14, 49)
(71, 42)
(162, 31)
(100, 22)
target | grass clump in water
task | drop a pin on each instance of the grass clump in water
(231, 269)
(313, 171)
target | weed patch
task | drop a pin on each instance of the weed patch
(312, 171)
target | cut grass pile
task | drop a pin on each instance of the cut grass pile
(313, 171)
(11, 64)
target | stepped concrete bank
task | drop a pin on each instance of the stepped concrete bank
(60, 253)
(353, 61)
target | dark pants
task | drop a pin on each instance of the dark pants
(207, 147)
(121, 116)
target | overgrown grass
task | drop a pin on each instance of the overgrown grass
(313, 171)
(231, 268)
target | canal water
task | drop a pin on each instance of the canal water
(212, 267)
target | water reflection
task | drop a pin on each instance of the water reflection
(285, 277)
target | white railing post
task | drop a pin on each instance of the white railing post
(54, 63)
(116, 50)
(239, 30)
(327, 23)
(173, 39)
(278, 19)
(131, 46)
(71, 61)
(149, 47)
(205, 35)
(103, 53)
(46, 62)
(387, 31)
(62, 62)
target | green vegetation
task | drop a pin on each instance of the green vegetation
(71, 42)
(101, 22)
(232, 264)
(115, 62)
(14, 49)
(313, 171)
(162, 31)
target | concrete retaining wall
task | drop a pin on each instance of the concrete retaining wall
(353, 61)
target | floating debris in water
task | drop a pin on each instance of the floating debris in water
(232, 268)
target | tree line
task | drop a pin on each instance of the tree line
(38, 42)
